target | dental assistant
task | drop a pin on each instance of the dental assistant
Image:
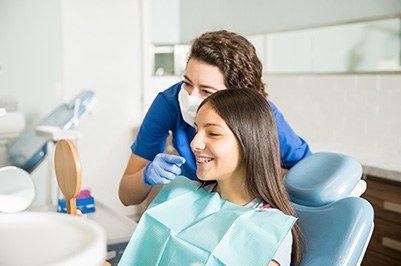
(218, 60)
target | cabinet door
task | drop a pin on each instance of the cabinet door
(374, 259)
(385, 196)
(385, 245)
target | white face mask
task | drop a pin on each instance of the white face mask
(188, 106)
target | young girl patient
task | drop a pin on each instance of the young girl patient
(237, 156)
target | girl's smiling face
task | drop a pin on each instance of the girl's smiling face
(216, 148)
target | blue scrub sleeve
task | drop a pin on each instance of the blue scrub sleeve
(154, 130)
(292, 147)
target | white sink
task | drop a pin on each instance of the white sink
(42, 238)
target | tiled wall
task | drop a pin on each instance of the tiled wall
(356, 114)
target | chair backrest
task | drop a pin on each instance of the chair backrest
(336, 228)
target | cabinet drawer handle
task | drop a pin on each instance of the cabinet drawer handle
(391, 243)
(391, 206)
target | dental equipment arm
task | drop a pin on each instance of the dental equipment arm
(29, 149)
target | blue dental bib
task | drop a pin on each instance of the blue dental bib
(185, 225)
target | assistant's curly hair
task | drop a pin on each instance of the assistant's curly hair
(234, 55)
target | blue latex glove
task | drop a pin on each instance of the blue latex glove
(163, 169)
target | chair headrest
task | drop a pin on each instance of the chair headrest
(322, 178)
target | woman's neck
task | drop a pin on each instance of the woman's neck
(235, 192)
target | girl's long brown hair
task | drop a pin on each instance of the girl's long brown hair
(250, 117)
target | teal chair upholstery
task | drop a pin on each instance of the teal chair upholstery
(336, 228)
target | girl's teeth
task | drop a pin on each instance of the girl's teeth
(203, 160)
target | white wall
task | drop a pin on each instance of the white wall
(30, 55)
(30, 59)
(50, 50)
(359, 115)
(101, 52)
(165, 25)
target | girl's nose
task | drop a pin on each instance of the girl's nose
(197, 144)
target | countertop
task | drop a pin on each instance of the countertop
(377, 163)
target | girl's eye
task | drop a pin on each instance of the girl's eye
(214, 134)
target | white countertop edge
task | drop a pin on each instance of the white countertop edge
(383, 173)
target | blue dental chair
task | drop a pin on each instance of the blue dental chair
(336, 224)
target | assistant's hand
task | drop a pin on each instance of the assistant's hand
(163, 169)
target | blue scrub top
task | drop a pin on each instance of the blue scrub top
(164, 115)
